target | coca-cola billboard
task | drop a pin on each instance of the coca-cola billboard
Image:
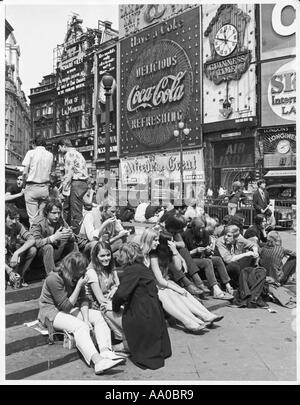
(160, 85)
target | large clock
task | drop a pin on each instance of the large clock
(226, 40)
(283, 146)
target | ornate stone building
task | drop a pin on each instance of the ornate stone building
(63, 105)
(17, 114)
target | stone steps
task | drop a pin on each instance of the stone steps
(19, 338)
(32, 292)
(19, 312)
(32, 361)
(28, 351)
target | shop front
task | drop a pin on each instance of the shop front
(233, 160)
(159, 177)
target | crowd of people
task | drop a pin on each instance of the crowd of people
(122, 289)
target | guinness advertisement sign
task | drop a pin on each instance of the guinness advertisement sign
(160, 85)
(230, 58)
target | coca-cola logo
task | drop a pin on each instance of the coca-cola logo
(167, 90)
(158, 92)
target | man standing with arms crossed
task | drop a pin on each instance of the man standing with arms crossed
(36, 177)
(75, 180)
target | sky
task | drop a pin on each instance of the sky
(40, 27)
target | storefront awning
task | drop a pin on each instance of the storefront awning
(280, 173)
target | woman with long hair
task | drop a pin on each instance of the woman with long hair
(159, 252)
(103, 283)
(143, 318)
(61, 291)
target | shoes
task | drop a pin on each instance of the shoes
(109, 354)
(105, 364)
(196, 329)
(192, 289)
(261, 303)
(216, 318)
(204, 288)
(223, 296)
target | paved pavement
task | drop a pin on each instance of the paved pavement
(288, 239)
(247, 345)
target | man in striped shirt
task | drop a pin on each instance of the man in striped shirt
(271, 258)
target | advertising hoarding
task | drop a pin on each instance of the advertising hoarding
(229, 78)
(160, 85)
(279, 147)
(135, 17)
(278, 92)
(278, 30)
(159, 175)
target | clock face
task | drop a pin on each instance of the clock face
(283, 146)
(226, 40)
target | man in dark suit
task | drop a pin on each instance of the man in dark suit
(261, 199)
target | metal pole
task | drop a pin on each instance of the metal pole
(95, 109)
(107, 138)
(181, 166)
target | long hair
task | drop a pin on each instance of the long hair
(175, 223)
(147, 239)
(96, 262)
(164, 253)
(130, 253)
(199, 231)
(50, 203)
(72, 267)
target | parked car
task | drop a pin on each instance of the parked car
(284, 196)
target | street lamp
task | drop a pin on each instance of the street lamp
(107, 81)
(181, 132)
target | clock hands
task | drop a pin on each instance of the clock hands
(225, 40)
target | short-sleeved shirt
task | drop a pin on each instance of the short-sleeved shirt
(39, 162)
(106, 283)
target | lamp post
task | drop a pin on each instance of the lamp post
(181, 132)
(107, 81)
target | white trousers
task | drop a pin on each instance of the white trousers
(73, 323)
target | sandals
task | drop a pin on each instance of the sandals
(223, 296)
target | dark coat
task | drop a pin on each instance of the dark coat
(143, 320)
(258, 203)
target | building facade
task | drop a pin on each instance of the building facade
(227, 71)
(277, 130)
(159, 86)
(17, 113)
(65, 103)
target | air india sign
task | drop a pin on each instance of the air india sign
(160, 85)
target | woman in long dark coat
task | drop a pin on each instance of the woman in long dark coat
(143, 319)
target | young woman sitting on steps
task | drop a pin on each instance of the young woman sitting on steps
(159, 252)
(58, 305)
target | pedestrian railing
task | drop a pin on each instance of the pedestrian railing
(283, 211)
